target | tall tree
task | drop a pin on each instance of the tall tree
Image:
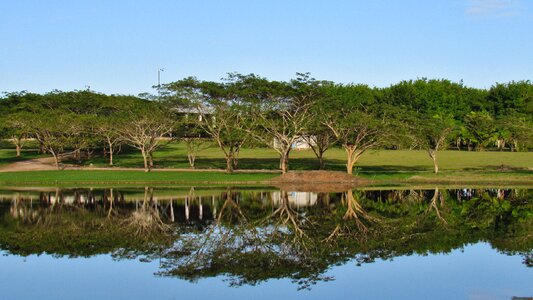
(106, 129)
(481, 127)
(17, 129)
(317, 135)
(432, 133)
(144, 128)
(281, 111)
(54, 131)
(217, 112)
(356, 121)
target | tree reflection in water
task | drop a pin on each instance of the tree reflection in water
(146, 220)
(254, 235)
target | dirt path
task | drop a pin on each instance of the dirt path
(37, 164)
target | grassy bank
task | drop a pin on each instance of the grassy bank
(380, 166)
(109, 178)
(174, 155)
(72, 177)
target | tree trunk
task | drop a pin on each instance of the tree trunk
(350, 159)
(89, 153)
(284, 161)
(145, 160)
(349, 165)
(56, 160)
(192, 159)
(283, 164)
(77, 155)
(321, 165)
(353, 155)
(229, 163)
(41, 148)
(236, 158)
(236, 162)
(18, 149)
(150, 160)
(433, 154)
(110, 155)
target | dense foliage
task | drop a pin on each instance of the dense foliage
(248, 110)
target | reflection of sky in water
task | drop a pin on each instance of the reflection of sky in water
(477, 273)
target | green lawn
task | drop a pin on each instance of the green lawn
(385, 165)
(127, 177)
(174, 155)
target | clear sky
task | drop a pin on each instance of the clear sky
(117, 46)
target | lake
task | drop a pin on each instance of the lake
(264, 243)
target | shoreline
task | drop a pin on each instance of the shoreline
(175, 177)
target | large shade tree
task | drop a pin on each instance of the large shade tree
(356, 121)
(432, 134)
(55, 131)
(216, 111)
(281, 112)
(16, 127)
(145, 127)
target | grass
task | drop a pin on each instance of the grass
(174, 155)
(379, 165)
(128, 177)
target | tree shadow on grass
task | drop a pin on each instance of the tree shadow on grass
(501, 169)
(387, 169)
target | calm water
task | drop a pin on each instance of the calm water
(228, 243)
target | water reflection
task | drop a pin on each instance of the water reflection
(253, 235)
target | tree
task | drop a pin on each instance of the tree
(355, 121)
(513, 98)
(317, 135)
(431, 133)
(217, 112)
(515, 130)
(194, 146)
(83, 136)
(319, 138)
(106, 128)
(281, 111)
(54, 132)
(144, 128)
(481, 127)
(17, 129)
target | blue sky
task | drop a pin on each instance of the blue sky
(117, 46)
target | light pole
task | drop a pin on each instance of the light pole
(159, 80)
(159, 76)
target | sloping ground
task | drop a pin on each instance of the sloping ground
(317, 181)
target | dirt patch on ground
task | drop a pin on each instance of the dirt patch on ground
(317, 181)
(37, 164)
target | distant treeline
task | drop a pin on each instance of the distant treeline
(248, 110)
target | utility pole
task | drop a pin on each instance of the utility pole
(159, 80)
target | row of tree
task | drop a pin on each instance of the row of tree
(248, 110)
